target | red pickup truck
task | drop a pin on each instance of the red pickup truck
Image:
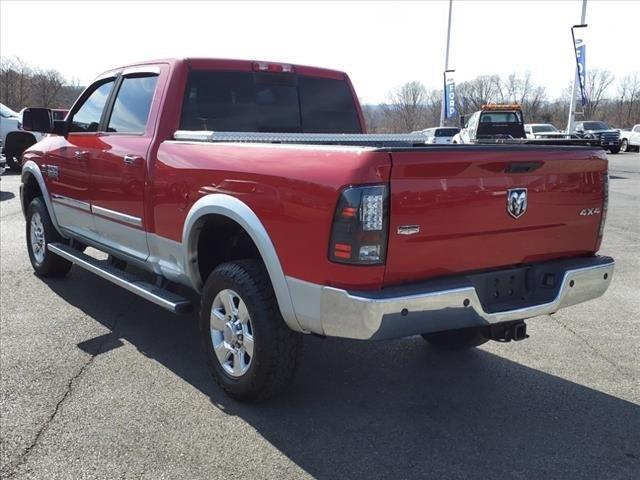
(254, 184)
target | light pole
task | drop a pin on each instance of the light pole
(446, 66)
(576, 79)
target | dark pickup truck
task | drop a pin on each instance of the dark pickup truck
(609, 138)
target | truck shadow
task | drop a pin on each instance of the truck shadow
(394, 409)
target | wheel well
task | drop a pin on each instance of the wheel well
(30, 190)
(17, 142)
(221, 240)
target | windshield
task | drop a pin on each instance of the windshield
(500, 117)
(7, 112)
(595, 126)
(544, 128)
(446, 132)
(268, 102)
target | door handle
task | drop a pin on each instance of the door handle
(80, 154)
(131, 160)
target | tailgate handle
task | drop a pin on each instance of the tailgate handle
(522, 167)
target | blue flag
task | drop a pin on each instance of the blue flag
(582, 69)
(450, 110)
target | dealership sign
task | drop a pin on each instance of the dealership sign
(450, 98)
(582, 69)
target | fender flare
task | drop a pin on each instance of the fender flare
(241, 213)
(30, 168)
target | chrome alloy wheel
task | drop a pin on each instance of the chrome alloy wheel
(38, 244)
(231, 333)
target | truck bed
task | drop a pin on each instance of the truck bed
(456, 196)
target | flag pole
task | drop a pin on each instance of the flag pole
(446, 65)
(572, 105)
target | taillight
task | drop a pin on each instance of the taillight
(605, 206)
(360, 226)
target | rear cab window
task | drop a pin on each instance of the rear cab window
(238, 101)
(132, 104)
(446, 132)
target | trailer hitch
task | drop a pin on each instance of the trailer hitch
(505, 332)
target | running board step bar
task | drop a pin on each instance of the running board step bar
(164, 298)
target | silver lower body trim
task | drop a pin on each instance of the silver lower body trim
(117, 216)
(339, 313)
(71, 202)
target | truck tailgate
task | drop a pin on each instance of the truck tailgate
(458, 199)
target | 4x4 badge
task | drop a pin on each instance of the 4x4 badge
(516, 202)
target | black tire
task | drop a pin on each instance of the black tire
(45, 263)
(276, 348)
(614, 150)
(455, 340)
(624, 145)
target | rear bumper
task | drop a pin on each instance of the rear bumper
(447, 304)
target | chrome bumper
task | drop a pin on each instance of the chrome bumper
(365, 316)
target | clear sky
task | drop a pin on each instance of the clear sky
(380, 44)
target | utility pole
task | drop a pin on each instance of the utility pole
(576, 79)
(446, 66)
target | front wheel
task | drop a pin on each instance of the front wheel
(252, 353)
(455, 340)
(41, 232)
(624, 145)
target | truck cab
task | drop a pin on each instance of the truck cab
(493, 122)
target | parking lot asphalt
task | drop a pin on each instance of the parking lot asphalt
(98, 383)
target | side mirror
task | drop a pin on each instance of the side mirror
(37, 120)
(41, 120)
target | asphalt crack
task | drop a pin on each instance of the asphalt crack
(598, 353)
(12, 469)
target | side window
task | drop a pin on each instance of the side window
(636, 129)
(132, 105)
(87, 117)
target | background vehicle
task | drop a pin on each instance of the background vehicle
(630, 139)
(609, 138)
(543, 130)
(254, 184)
(14, 139)
(439, 135)
(3, 162)
(492, 122)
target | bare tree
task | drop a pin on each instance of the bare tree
(22, 86)
(406, 107)
(477, 92)
(628, 101)
(15, 81)
(598, 81)
(46, 85)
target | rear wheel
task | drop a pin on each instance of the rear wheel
(455, 340)
(252, 353)
(624, 145)
(614, 150)
(41, 232)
